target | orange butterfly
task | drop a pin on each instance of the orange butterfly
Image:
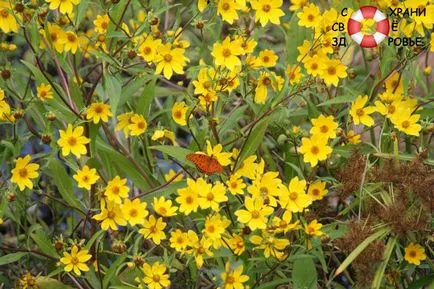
(206, 164)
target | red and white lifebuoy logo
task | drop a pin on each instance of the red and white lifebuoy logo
(381, 29)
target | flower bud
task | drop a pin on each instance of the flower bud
(132, 54)
(19, 7)
(6, 74)
(18, 114)
(139, 261)
(155, 21)
(200, 25)
(46, 139)
(51, 116)
(11, 197)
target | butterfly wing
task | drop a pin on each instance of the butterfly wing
(205, 164)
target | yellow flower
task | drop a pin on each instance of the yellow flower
(414, 253)
(55, 33)
(352, 137)
(315, 149)
(202, 4)
(70, 41)
(170, 60)
(171, 174)
(5, 109)
(188, 198)
(224, 159)
(226, 53)
(314, 65)
(101, 23)
(360, 113)
(267, 10)
(283, 225)
(266, 80)
(211, 196)
(44, 92)
(236, 243)
(179, 111)
(165, 134)
(199, 247)
(116, 190)
(214, 227)
(228, 10)
(111, 215)
(124, 121)
(294, 74)
(204, 81)
(406, 122)
(297, 4)
(134, 211)
(236, 185)
(267, 58)
(98, 111)
(233, 278)
(266, 186)
(76, 260)
(324, 126)
(138, 125)
(178, 240)
(23, 172)
(149, 48)
(8, 23)
(310, 17)
(164, 207)
(294, 198)
(394, 84)
(317, 190)
(156, 276)
(64, 6)
(271, 245)
(1, 221)
(153, 229)
(333, 70)
(256, 214)
(313, 228)
(86, 177)
(72, 141)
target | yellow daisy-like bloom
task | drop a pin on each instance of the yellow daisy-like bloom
(148, 49)
(124, 121)
(111, 216)
(236, 185)
(178, 240)
(170, 174)
(360, 113)
(170, 60)
(298, 4)
(271, 245)
(199, 247)
(101, 23)
(179, 111)
(86, 177)
(256, 214)
(215, 226)
(236, 243)
(138, 125)
(317, 190)
(333, 70)
(406, 122)
(395, 84)
(156, 276)
(324, 126)
(294, 198)
(70, 41)
(294, 74)
(153, 229)
(310, 17)
(228, 10)
(116, 190)
(134, 211)
(233, 278)
(224, 159)
(267, 11)
(44, 92)
(226, 53)
(204, 81)
(64, 6)
(72, 141)
(162, 134)
(314, 228)
(283, 225)
(5, 109)
(352, 137)
(98, 111)
(28, 281)
(24, 172)
(267, 58)
(266, 80)
(55, 33)
(8, 23)
(414, 253)
(211, 196)
(315, 149)
(76, 260)
(188, 198)
(164, 207)
(314, 65)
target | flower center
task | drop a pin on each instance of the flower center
(71, 38)
(189, 200)
(133, 213)
(265, 59)
(104, 25)
(178, 114)
(255, 214)
(153, 229)
(331, 70)
(211, 229)
(156, 278)
(23, 172)
(412, 254)
(226, 52)
(115, 190)
(75, 260)
(85, 179)
(266, 8)
(168, 58)
(293, 196)
(111, 215)
(310, 17)
(230, 279)
(98, 109)
(225, 6)
(72, 141)
(4, 13)
(43, 93)
(266, 81)
(315, 150)
(201, 250)
(324, 129)
(210, 196)
(360, 112)
(405, 124)
(314, 66)
(180, 240)
(162, 210)
(234, 185)
(147, 50)
(315, 192)
(141, 125)
(391, 109)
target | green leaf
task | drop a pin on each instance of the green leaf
(81, 11)
(359, 249)
(255, 140)
(44, 243)
(421, 282)
(63, 182)
(379, 274)
(273, 284)
(145, 101)
(340, 99)
(50, 283)
(94, 238)
(304, 274)
(111, 272)
(113, 90)
(178, 153)
(11, 258)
